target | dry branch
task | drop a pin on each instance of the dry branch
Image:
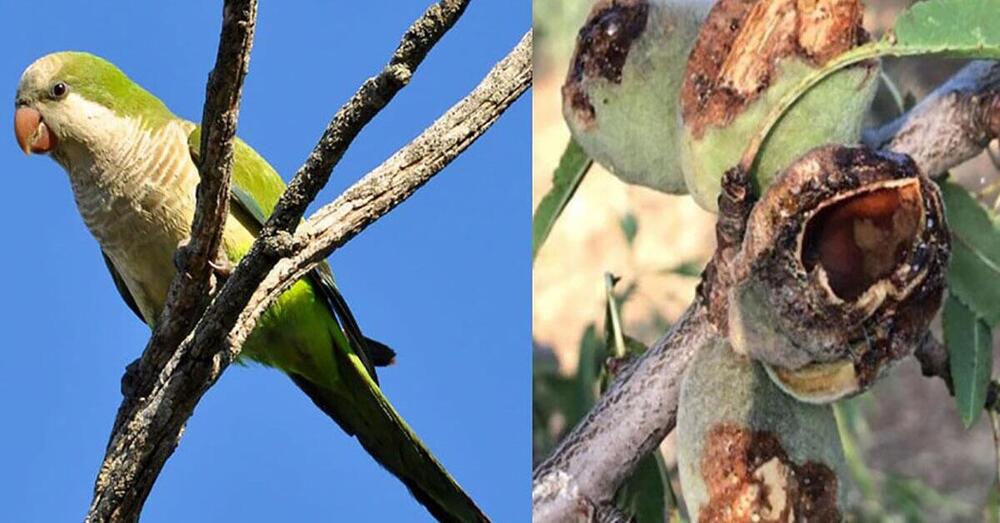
(188, 294)
(116, 500)
(161, 397)
(627, 423)
(394, 180)
(583, 473)
(371, 98)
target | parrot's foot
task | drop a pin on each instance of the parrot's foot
(222, 268)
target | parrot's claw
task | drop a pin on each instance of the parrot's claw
(222, 268)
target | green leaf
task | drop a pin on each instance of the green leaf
(691, 269)
(643, 495)
(961, 28)
(630, 227)
(974, 273)
(572, 166)
(847, 414)
(613, 335)
(970, 355)
(589, 369)
(634, 346)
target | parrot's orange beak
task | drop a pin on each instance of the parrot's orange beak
(33, 136)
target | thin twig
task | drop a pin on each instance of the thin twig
(995, 424)
(371, 98)
(189, 291)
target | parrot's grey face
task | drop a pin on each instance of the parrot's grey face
(52, 115)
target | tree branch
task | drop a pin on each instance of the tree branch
(152, 427)
(951, 125)
(371, 98)
(628, 422)
(394, 180)
(189, 291)
(583, 473)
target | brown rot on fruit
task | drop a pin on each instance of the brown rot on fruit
(841, 271)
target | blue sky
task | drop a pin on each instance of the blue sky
(445, 278)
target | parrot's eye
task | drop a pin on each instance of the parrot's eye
(59, 90)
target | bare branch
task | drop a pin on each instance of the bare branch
(151, 429)
(188, 294)
(373, 95)
(951, 125)
(640, 408)
(395, 180)
(628, 422)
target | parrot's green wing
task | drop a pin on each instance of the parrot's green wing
(368, 415)
(254, 192)
(120, 285)
(373, 353)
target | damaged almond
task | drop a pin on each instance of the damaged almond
(747, 452)
(620, 98)
(748, 55)
(840, 272)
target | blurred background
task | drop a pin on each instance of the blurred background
(914, 460)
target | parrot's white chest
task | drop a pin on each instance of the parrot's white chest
(137, 198)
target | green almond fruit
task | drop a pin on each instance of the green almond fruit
(746, 452)
(620, 98)
(749, 54)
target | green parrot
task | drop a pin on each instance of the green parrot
(132, 166)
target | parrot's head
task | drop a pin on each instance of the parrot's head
(74, 105)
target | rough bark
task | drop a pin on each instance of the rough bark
(627, 423)
(188, 294)
(951, 125)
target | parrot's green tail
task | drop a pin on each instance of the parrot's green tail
(369, 416)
